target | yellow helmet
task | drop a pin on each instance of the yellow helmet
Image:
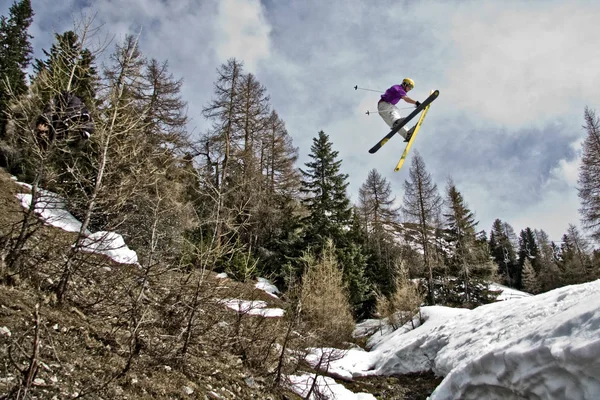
(409, 82)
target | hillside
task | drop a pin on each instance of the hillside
(127, 332)
(118, 335)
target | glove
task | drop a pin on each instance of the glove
(417, 103)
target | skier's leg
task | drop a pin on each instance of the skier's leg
(391, 116)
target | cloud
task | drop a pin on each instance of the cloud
(514, 80)
(242, 32)
(522, 64)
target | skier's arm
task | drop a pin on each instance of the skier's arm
(409, 100)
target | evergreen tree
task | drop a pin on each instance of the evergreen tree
(15, 55)
(422, 205)
(68, 66)
(589, 175)
(528, 249)
(330, 215)
(324, 187)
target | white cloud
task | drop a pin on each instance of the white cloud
(242, 32)
(523, 63)
(514, 79)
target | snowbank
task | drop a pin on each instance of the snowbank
(51, 208)
(507, 293)
(110, 244)
(267, 286)
(256, 307)
(545, 346)
(324, 386)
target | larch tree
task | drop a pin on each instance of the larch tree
(379, 218)
(531, 283)
(422, 205)
(220, 147)
(278, 185)
(549, 273)
(589, 175)
(502, 246)
(470, 260)
(576, 263)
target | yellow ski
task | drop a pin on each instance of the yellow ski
(412, 138)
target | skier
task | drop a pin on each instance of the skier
(388, 110)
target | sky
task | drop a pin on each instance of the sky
(514, 80)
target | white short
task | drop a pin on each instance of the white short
(390, 113)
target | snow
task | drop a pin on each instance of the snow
(544, 346)
(325, 386)
(50, 207)
(110, 244)
(507, 293)
(256, 307)
(268, 287)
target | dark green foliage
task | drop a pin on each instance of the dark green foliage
(68, 67)
(324, 188)
(15, 56)
(528, 250)
(329, 216)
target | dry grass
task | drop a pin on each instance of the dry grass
(124, 331)
(402, 306)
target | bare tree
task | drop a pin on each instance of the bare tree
(422, 204)
(589, 175)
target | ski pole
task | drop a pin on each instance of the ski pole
(369, 90)
(377, 112)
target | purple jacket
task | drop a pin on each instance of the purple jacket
(393, 94)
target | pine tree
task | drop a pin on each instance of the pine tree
(330, 215)
(15, 55)
(324, 187)
(589, 175)
(422, 205)
(68, 66)
(528, 249)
